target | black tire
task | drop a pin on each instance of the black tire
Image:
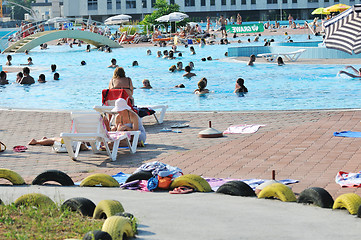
(97, 235)
(236, 188)
(53, 175)
(83, 205)
(142, 175)
(317, 196)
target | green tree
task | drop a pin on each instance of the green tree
(162, 8)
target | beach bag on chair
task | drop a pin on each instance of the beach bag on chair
(2, 147)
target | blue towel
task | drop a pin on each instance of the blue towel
(347, 134)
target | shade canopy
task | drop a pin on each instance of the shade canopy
(172, 17)
(340, 7)
(343, 32)
(117, 19)
(320, 11)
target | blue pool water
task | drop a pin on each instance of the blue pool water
(271, 87)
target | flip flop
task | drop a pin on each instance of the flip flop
(177, 131)
(19, 148)
(180, 125)
(166, 130)
(182, 190)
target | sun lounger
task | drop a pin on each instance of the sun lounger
(109, 96)
(158, 117)
(291, 56)
(89, 127)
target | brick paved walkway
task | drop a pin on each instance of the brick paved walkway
(297, 144)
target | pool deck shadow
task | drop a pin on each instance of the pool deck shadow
(296, 144)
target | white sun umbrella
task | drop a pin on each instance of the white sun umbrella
(57, 20)
(118, 19)
(172, 17)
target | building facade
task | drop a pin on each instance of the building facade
(250, 10)
(46, 9)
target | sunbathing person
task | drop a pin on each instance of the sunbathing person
(3, 79)
(27, 79)
(188, 73)
(127, 120)
(202, 87)
(120, 81)
(357, 72)
(45, 141)
(240, 88)
(114, 63)
(50, 142)
(146, 84)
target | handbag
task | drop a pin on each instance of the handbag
(2, 147)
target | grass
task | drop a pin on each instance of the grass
(45, 222)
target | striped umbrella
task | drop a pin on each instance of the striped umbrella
(343, 32)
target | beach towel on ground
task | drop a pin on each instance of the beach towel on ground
(347, 134)
(215, 183)
(348, 180)
(242, 129)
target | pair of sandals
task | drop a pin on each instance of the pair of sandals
(181, 190)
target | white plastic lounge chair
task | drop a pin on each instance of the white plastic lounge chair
(291, 56)
(89, 127)
(159, 118)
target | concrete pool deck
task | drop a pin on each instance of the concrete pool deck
(297, 144)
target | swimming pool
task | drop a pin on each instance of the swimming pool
(271, 87)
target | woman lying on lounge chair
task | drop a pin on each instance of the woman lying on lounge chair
(358, 72)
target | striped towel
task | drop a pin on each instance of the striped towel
(243, 129)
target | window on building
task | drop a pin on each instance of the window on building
(253, 1)
(284, 1)
(213, 2)
(203, 3)
(311, 1)
(335, 1)
(189, 3)
(109, 4)
(118, 4)
(153, 3)
(294, 1)
(144, 3)
(224, 2)
(243, 2)
(92, 5)
(131, 3)
(171, 2)
(233, 2)
(271, 1)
